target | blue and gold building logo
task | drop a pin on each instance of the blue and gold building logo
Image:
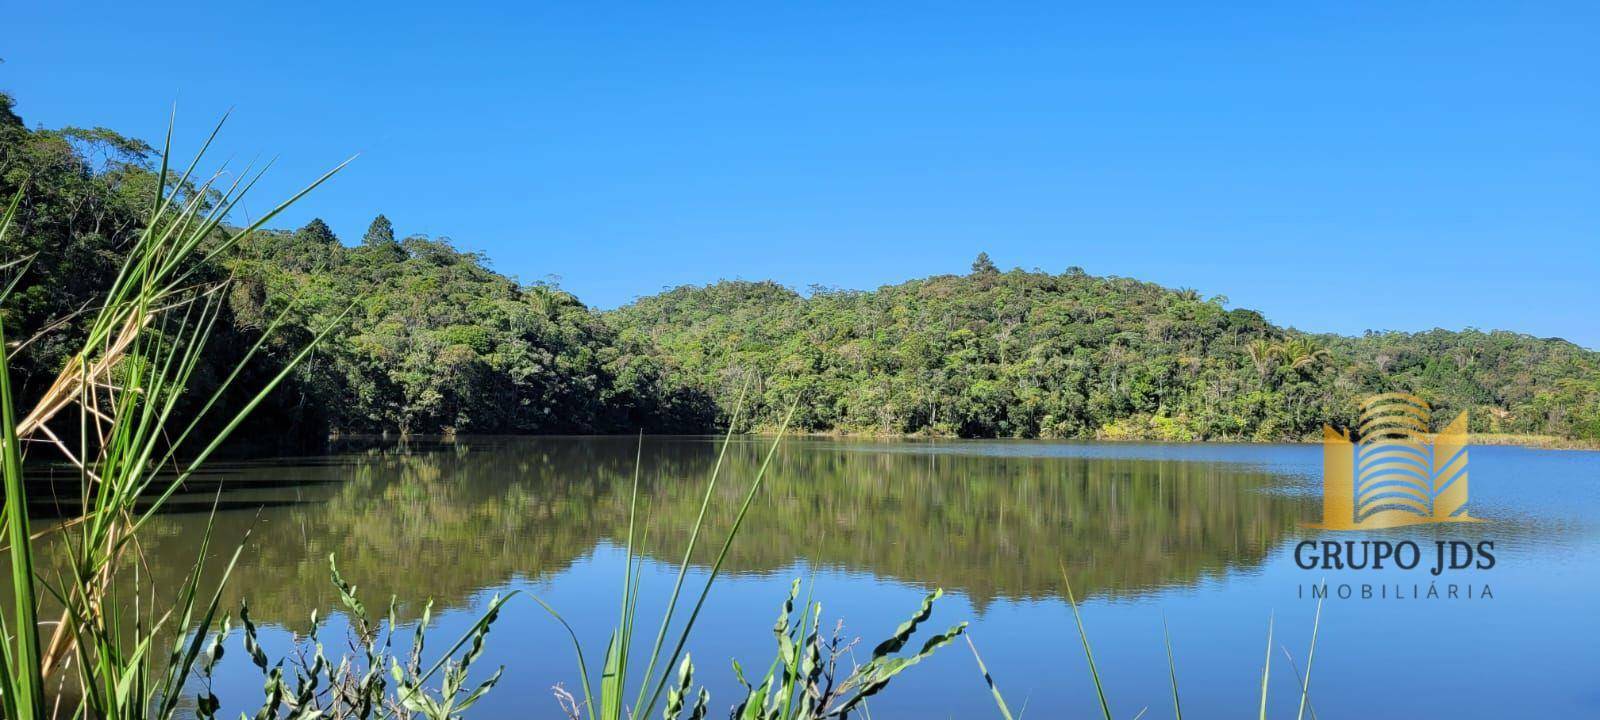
(1398, 473)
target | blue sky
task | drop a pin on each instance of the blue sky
(1338, 166)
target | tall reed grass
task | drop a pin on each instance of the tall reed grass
(112, 413)
(1303, 680)
(804, 682)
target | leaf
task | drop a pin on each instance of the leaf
(1088, 653)
(999, 700)
(903, 633)
(1266, 670)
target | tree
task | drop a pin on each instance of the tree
(378, 246)
(1263, 354)
(8, 115)
(983, 266)
(1304, 353)
(380, 232)
(1073, 355)
(318, 232)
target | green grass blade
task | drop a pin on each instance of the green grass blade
(999, 700)
(141, 348)
(1311, 656)
(1172, 669)
(8, 680)
(683, 567)
(716, 567)
(583, 667)
(24, 664)
(220, 436)
(1088, 653)
(5, 225)
(181, 664)
(614, 678)
(1266, 670)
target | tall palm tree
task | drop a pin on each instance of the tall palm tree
(1304, 353)
(1264, 354)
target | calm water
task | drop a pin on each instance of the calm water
(1201, 535)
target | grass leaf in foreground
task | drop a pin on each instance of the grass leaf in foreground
(1266, 670)
(1172, 669)
(999, 700)
(1088, 653)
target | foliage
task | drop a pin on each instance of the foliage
(1034, 354)
(373, 680)
(434, 342)
(1509, 383)
(611, 702)
(440, 343)
(803, 682)
(133, 367)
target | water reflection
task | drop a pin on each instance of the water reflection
(447, 520)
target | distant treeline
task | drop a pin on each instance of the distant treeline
(428, 339)
(1031, 354)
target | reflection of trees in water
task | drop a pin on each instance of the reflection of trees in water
(448, 522)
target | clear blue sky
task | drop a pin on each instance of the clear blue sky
(1337, 166)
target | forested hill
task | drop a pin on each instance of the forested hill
(430, 339)
(433, 340)
(1029, 354)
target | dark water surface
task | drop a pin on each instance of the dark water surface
(1203, 535)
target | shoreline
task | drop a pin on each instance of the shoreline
(1535, 442)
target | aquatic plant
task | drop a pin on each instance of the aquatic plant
(373, 680)
(806, 682)
(611, 701)
(1304, 680)
(123, 389)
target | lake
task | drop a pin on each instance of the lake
(1201, 536)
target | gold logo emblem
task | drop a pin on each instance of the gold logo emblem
(1394, 475)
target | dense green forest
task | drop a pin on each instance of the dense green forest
(1035, 354)
(427, 339)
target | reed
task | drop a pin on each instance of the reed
(1304, 681)
(122, 392)
(994, 689)
(611, 701)
(1088, 652)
